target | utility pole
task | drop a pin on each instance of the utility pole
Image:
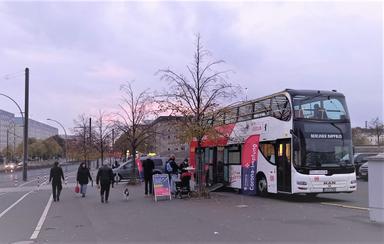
(90, 140)
(26, 116)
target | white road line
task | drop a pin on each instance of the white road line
(42, 219)
(344, 206)
(14, 204)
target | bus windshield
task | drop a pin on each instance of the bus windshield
(320, 107)
(322, 145)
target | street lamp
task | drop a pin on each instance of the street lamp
(66, 138)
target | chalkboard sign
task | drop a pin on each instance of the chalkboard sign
(161, 186)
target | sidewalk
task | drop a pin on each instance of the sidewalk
(226, 217)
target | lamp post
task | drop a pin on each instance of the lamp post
(65, 142)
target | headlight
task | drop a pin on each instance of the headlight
(353, 181)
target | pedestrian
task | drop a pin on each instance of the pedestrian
(104, 180)
(184, 165)
(115, 165)
(148, 166)
(83, 175)
(55, 176)
(172, 170)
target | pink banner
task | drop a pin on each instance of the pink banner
(249, 164)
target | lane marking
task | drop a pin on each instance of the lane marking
(344, 206)
(32, 188)
(42, 219)
(14, 204)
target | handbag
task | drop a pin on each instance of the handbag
(77, 189)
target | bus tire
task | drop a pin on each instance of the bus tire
(262, 186)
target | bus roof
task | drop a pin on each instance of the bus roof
(294, 92)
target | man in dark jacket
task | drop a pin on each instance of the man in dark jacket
(83, 175)
(105, 179)
(148, 166)
(55, 177)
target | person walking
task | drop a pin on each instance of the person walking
(148, 166)
(83, 175)
(55, 176)
(104, 180)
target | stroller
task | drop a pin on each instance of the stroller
(183, 187)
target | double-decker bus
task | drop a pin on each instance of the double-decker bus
(294, 141)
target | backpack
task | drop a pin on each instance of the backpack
(168, 167)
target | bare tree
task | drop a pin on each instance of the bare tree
(101, 136)
(83, 137)
(132, 121)
(197, 97)
(376, 127)
(358, 137)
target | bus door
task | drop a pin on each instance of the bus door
(219, 165)
(216, 165)
(283, 151)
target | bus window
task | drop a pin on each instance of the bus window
(231, 115)
(268, 151)
(320, 107)
(281, 108)
(245, 112)
(262, 108)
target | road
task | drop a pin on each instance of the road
(225, 217)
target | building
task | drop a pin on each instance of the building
(36, 130)
(167, 137)
(12, 130)
(7, 129)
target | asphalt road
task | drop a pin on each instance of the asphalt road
(225, 217)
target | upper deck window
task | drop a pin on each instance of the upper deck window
(319, 107)
(281, 108)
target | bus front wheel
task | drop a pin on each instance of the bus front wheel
(262, 186)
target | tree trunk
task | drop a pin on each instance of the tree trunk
(200, 171)
(134, 178)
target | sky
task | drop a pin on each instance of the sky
(79, 53)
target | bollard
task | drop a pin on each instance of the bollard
(16, 182)
(375, 188)
(38, 182)
(66, 180)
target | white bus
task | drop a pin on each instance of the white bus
(294, 141)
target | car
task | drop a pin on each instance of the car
(10, 167)
(20, 165)
(363, 171)
(361, 158)
(159, 163)
(124, 171)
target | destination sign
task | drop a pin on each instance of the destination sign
(326, 136)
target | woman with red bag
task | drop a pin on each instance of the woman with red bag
(83, 175)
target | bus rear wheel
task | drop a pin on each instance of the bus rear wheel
(262, 186)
